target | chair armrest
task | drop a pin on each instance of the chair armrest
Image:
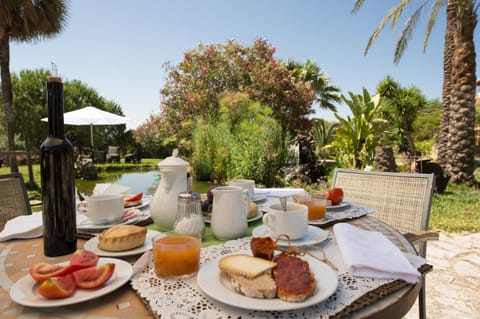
(421, 236)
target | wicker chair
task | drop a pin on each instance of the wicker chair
(401, 200)
(113, 154)
(13, 200)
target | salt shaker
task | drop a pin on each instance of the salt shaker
(189, 214)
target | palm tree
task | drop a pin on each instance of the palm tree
(448, 50)
(357, 136)
(24, 21)
(311, 73)
(459, 94)
(323, 134)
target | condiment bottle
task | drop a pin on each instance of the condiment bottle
(189, 214)
(58, 182)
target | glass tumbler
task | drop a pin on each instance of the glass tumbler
(176, 255)
(316, 203)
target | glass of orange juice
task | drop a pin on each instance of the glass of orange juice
(176, 255)
(316, 203)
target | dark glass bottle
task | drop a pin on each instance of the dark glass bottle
(58, 181)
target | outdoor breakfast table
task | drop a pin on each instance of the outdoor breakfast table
(383, 299)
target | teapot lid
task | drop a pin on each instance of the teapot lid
(173, 160)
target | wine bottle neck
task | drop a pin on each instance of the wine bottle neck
(55, 109)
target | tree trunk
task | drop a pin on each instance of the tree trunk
(461, 150)
(408, 136)
(7, 97)
(384, 159)
(448, 50)
(28, 148)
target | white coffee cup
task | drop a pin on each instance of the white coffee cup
(105, 207)
(292, 222)
(248, 184)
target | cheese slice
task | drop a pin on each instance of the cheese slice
(245, 265)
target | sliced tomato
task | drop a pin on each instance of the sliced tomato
(93, 277)
(42, 271)
(82, 259)
(134, 198)
(57, 287)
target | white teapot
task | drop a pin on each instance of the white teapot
(173, 180)
(231, 205)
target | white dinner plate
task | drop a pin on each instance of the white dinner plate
(314, 236)
(145, 201)
(24, 291)
(341, 205)
(216, 285)
(92, 245)
(84, 224)
(259, 215)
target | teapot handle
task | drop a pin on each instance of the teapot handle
(247, 200)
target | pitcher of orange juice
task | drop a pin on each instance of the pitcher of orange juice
(230, 208)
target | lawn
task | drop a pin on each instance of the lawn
(457, 210)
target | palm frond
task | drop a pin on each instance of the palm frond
(475, 6)
(397, 12)
(393, 16)
(406, 33)
(357, 6)
(432, 17)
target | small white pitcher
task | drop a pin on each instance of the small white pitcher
(231, 205)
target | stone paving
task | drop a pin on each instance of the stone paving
(453, 287)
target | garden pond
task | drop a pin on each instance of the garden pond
(144, 181)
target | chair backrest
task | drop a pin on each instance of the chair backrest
(13, 198)
(402, 200)
(113, 150)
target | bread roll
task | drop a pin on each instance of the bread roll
(253, 210)
(122, 237)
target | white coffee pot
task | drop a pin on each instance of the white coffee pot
(230, 208)
(173, 180)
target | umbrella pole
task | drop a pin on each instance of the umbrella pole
(91, 135)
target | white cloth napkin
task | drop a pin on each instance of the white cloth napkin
(108, 188)
(23, 227)
(372, 254)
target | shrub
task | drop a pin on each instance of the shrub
(245, 141)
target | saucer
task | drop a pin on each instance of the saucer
(258, 198)
(83, 223)
(314, 236)
(343, 204)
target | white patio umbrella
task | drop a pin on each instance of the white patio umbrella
(90, 115)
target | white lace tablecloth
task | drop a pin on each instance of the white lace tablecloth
(184, 299)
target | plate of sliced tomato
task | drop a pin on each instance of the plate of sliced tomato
(25, 291)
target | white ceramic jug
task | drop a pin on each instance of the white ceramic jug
(231, 205)
(173, 180)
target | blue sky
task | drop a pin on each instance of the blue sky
(118, 47)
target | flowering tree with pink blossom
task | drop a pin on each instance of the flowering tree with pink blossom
(193, 86)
